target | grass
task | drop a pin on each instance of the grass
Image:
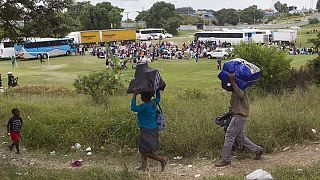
(192, 99)
(8, 172)
(300, 60)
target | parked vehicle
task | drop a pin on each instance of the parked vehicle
(100, 36)
(6, 50)
(42, 47)
(219, 53)
(145, 34)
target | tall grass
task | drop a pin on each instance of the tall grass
(59, 121)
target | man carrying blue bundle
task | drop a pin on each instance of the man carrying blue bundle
(240, 108)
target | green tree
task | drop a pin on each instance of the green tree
(161, 15)
(33, 18)
(101, 16)
(229, 16)
(251, 14)
(281, 8)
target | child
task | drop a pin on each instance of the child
(148, 140)
(14, 127)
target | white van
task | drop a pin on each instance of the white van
(6, 50)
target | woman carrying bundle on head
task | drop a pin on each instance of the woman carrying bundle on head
(148, 140)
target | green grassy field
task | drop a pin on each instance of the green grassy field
(64, 70)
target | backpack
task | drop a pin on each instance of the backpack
(160, 118)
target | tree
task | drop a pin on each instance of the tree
(251, 14)
(229, 16)
(281, 8)
(161, 15)
(142, 15)
(39, 18)
(101, 16)
(318, 6)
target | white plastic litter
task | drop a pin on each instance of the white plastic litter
(197, 175)
(89, 153)
(259, 174)
(190, 166)
(287, 148)
(52, 153)
(88, 149)
(77, 146)
(177, 158)
(314, 131)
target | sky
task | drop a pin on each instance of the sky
(132, 6)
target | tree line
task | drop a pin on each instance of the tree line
(56, 18)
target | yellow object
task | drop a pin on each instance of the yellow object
(90, 36)
(118, 35)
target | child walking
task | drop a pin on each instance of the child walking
(148, 140)
(14, 127)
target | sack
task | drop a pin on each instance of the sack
(160, 118)
(246, 73)
(146, 79)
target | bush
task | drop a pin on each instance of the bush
(274, 64)
(300, 78)
(314, 67)
(313, 21)
(100, 85)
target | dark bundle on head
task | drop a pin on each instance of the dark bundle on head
(147, 95)
(15, 111)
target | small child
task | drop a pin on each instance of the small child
(14, 127)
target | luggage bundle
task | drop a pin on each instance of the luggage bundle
(246, 73)
(146, 79)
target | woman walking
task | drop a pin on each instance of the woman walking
(148, 140)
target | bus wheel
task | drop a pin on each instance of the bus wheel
(45, 56)
(68, 53)
(39, 56)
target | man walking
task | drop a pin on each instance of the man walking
(240, 109)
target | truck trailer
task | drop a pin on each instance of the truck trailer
(99, 36)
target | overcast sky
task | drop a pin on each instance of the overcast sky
(131, 6)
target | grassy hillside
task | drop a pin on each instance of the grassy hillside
(56, 117)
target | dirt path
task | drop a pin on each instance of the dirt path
(300, 155)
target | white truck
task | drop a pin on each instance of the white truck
(284, 35)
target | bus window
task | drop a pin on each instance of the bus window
(8, 44)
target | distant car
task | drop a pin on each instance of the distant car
(218, 53)
(295, 28)
(167, 35)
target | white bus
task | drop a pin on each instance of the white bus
(152, 33)
(219, 37)
(6, 50)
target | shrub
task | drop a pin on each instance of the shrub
(100, 85)
(300, 78)
(314, 67)
(275, 65)
(313, 21)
